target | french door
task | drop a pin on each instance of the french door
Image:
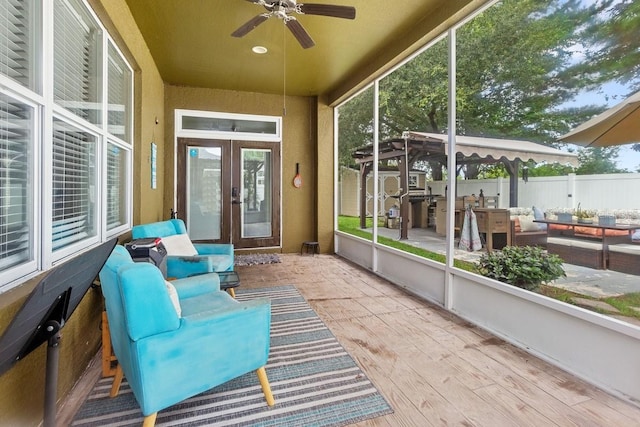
(229, 191)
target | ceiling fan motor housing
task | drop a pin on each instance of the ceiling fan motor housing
(283, 8)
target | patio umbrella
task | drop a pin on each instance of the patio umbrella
(618, 125)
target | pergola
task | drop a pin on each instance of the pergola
(433, 147)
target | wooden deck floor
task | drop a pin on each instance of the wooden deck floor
(434, 368)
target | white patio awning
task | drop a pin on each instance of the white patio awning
(494, 148)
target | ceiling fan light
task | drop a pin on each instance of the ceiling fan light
(260, 50)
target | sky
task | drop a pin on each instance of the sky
(611, 94)
(629, 159)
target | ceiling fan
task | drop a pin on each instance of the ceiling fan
(284, 8)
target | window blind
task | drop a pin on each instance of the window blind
(119, 90)
(16, 209)
(90, 77)
(76, 50)
(17, 41)
(73, 185)
(116, 182)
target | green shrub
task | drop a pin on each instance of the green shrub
(526, 267)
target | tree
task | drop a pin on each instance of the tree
(509, 59)
(598, 160)
(355, 126)
(611, 44)
(518, 67)
(508, 84)
(550, 169)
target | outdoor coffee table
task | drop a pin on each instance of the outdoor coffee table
(229, 280)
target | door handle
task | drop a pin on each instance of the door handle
(235, 194)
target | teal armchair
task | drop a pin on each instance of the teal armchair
(174, 345)
(184, 258)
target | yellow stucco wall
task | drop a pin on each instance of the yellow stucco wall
(298, 146)
(22, 387)
(149, 120)
(325, 177)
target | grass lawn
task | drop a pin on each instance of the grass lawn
(351, 225)
(628, 304)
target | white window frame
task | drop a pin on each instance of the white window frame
(24, 269)
(128, 186)
(237, 136)
(44, 111)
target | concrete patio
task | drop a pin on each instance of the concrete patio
(431, 366)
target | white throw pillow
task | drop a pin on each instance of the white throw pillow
(179, 244)
(173, 294)
(538, 214)
(527, 224)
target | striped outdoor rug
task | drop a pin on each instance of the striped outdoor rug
(314, 381)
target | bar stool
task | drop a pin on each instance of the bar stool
(314, 247)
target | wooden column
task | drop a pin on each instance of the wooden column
(512, 168)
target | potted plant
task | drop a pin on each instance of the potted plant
(584, 216)
(526, 267)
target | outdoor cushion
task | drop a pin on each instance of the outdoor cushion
(574, 243)
(559, 227)
(625, 248)
(539, 215)
(527, 224)
(616, 232)
(179, 245)
(173, 294)
(185, 258)
(591, 231)
(516, 224)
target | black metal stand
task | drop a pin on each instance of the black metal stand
(45, 312)
(51, 375)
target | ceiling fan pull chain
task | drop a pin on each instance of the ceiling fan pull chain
(284, 71)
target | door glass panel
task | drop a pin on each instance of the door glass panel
(256, 191)
(204, 184)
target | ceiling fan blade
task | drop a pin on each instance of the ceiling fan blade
(300, 33)
(250, 25)
(346, 12)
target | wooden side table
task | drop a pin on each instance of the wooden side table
(109, 360)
